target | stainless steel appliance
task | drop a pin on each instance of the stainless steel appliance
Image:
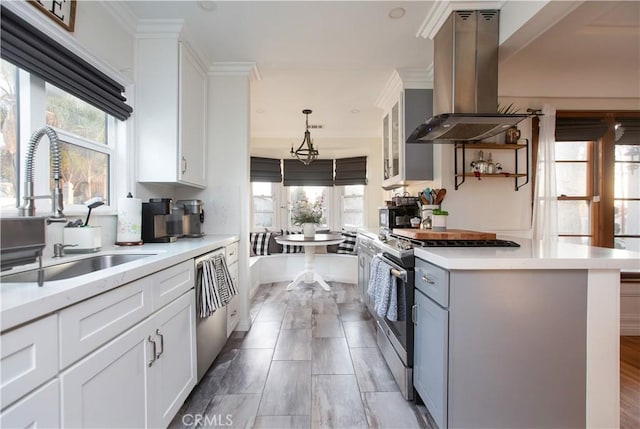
(211, 332)
(154, 221)
(395, 338)
(193, 217)
(397, 216)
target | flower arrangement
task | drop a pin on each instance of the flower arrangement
(305, 212)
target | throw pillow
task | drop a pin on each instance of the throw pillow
(273, 246)
(260, 243)
(291, 249)
(348, 246)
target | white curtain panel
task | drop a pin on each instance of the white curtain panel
(545, 205)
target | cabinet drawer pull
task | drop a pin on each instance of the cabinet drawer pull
(427, 280)
(184, 165)
(155, 349)
(161, 343)
(233, 313)
(414, 310)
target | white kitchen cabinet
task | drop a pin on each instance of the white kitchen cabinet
(29, 358)
(407, 102)
(141, 378)
(39, 409)
(171, 101)
(173, 374)
(233, 308)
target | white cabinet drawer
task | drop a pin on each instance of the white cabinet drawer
(169, 284)
(29, 358)
(233, 271)
(91, 323)
(40, 409)
(231, 253)
(233, 314)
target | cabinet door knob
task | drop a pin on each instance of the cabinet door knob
(152, 341)
(161, 344)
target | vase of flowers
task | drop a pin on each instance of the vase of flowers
(307, 215)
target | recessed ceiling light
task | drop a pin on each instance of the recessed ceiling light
(354, 111)
(397, 13)
(207, 4)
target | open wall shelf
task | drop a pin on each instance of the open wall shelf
(520, 178)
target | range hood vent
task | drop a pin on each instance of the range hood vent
(465, 73)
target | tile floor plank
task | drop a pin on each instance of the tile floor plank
(390, 410)
(336, 402)
(326, 326)
(371, 370)
(288, 389)
(233, 411)
(360, 334)
(262, 335)
(282, 422)
(247, 373)
(297, 318)
(293, 344)
(330, 356)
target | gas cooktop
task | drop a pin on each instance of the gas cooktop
(410, 242)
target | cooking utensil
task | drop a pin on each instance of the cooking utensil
(440, 196)
(92, 204)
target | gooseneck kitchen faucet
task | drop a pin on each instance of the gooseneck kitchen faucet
(29, 206)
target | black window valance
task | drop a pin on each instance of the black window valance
(629, 131)
(318, 173)
(579, 129)
(351, 171)
(32, 50)
(265, 170)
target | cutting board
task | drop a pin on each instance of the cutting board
(449, 234)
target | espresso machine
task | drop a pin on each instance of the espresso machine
(155, 215)
(193, 217)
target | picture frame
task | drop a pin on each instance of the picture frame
(62, 12)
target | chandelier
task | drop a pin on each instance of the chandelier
(306, 153)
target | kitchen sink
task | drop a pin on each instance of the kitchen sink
(67, 270)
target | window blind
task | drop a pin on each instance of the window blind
(579, 129)
(629, 131)
(31, 50)
(351, 171)
(318, 173)
(265, 170)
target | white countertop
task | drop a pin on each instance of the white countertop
(532, 254)
(21, 302)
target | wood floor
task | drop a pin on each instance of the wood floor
(629, 382)
(309, 361)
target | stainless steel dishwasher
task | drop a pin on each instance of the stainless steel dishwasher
(211, 332)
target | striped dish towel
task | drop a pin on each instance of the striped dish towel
(216, 287)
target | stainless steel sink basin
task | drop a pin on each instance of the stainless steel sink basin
(67, 270)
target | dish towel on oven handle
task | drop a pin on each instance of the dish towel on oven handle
(382, 288)
(215, 284)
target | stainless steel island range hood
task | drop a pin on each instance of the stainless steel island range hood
(465, 75)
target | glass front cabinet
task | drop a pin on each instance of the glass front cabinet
(407, 102)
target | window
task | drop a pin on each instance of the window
(627, 197)
(352, 206)
(9, 136)
(86, 137)
(598, 182)
(575, 188)
(312, 194)
(263, 199)
(84, 147)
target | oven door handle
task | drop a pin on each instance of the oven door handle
(396, 270)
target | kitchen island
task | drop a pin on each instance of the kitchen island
(517, 331)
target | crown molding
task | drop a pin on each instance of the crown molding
(123, 14)
(441, 10)
(404, 78)
(232, 68)
(159, 28)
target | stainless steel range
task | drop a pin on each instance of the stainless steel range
(395, 338)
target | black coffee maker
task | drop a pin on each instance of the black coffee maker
(155, 215)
